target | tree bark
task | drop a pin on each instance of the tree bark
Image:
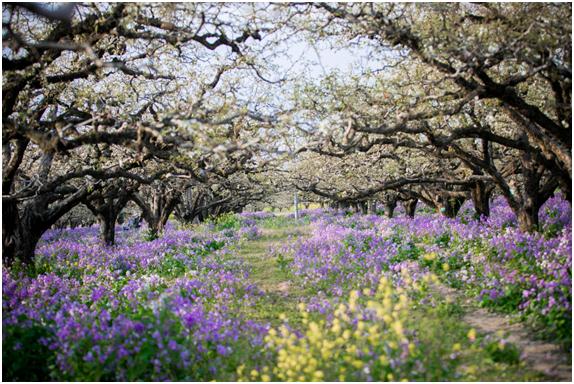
(535, 192)
(22, 229)
(410, 206)
(106, 209)
(157, 213)
(450, 205)
(372, 207)
(390, 208)
(480, 194)
(24, 242)
(20, 235)
(107, 228)
(527, 219)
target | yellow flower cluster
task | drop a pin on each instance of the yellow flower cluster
(359, 343)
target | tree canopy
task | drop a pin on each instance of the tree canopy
(197, 109)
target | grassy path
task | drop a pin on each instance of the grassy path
(281, 295)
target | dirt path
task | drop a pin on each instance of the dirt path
(541, 356)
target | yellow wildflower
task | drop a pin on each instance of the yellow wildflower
(397, 326)
(346, 334)
(384, 360)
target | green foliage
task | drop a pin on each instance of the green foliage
(443, 240)
(283, 262)
(408, 251)
(351, 243)
(552, 230)
(508, 302)
(150, 235)
(227, 221)
(397, 236)
(24, 356)
(171, 266)
(556, 325)
(501, 351)
(452, 349)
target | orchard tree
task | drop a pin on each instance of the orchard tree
(83, 83)
(487, 107)
(517, 54)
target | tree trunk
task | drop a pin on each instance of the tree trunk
(480, 195)
(107, 210)
(296, 205)
(21, 233)
(10, 226)
(24, 244)
(390, 208)
(107, 228)
(410, 206)
(451, 205)
(157, 213)
(528, 219)
(19, 236)
(534, 194)
(372, 207)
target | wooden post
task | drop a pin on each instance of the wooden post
(296, 201)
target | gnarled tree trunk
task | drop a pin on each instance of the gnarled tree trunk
(390, 206)
(107, 229)
(480, 194)
(410, 206)
(107, 208)
(536, 190)
(162, 205)
(20, 234)
(22, 228)
(372, 207)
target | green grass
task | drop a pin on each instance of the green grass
(267, 274)
(283, 222)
